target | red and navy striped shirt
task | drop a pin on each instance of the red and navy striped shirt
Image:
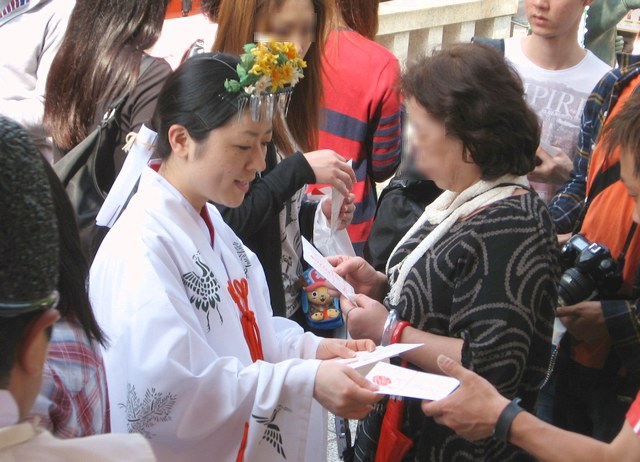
(12, 6)
(361, 119)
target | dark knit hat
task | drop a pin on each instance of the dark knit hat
(28, 227)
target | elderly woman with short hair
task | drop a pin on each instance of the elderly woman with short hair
(475, 277)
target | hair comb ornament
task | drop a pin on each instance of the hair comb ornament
(267, 74)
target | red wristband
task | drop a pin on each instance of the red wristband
(397, 332)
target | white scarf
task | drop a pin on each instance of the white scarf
(444, 212)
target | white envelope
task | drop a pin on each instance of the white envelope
(364, 358)
(400, 381)
(322, 266)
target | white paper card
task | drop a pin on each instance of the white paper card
(336, 204)
(322, 266)
(337, 200)
(364, 358)
(400, 381)
(136, 160)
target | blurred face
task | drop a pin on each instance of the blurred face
(552, 18)
(221, 167)
(631, 181)
(438, 156)
(294, 21)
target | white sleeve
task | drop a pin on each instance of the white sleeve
(292, 341)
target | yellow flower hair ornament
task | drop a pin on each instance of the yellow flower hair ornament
(267, 74)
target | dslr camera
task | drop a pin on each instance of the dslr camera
(590, 272)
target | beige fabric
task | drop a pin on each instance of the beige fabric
(26, 442)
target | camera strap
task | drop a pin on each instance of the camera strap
(627, 243)
(602, 181)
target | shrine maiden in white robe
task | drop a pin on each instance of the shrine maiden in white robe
(179, 370)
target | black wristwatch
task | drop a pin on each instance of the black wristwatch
(503, 425)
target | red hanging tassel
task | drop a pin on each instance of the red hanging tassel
(239, 290)
(243, 443)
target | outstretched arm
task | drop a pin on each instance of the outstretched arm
(267, 195)
(474, 408)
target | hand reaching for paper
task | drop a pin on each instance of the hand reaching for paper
(471, 411)
(331, 168)
(365, 318)
(343, 391)
(331, 348)
(346, 211)
(361, 275)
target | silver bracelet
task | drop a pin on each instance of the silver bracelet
(389, 326)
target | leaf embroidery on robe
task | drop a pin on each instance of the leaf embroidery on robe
(204, 288)
(143, 415)
(272, 432)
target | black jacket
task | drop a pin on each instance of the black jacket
(256, 221)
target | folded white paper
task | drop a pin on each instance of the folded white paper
(322, 266)
(136, 160)
(400, 381)
(364, 358)
(337, 200)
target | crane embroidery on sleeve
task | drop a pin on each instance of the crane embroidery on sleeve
(272, 432)
(204, 288)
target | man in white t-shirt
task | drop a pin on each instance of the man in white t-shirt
(558, 75)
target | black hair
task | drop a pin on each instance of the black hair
(480, 99)
(11, 337)
(74, 303)
(194, 97)
(211, 8)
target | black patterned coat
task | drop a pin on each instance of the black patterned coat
(490, 281)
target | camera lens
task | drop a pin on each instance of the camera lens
(575, 287)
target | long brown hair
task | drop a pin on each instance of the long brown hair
(98, 60)
(360, 16)
(303, 119)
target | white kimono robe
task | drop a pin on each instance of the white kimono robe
(178, 367)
